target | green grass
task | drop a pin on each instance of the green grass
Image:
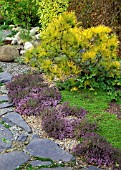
(109, 125)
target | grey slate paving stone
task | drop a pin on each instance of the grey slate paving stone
(5, 110)
(5, 138)
(22, 137)
(16, 119)
(40, 163)
(46, 148)
(3, 89)
(58, 168)
(4, 98)
(91, 168)
(11, 160)
(5, 77)
(5, 105)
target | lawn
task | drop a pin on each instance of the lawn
(96, 105)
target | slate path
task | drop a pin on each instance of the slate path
(18, 144)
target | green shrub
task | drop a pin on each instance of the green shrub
(89, 55)
(93, 13)
(20, 12)
(48, 9)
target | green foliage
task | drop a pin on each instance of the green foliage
(48, 9)
(93, 13)
(96, 104)
(4, 27)
(89, 56)
(1, 39)
(25, 35)
(20, 12)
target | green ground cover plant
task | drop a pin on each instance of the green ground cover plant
(96, 105)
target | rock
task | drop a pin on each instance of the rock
(8, 38)
(40, 163)
(5, 110)
(11, 160)
(3, 89)
(22, 52)
(5, 138)
(33, 31)
(22, 137)
(8, 53)
(37, 36)
(11, 26)
(58, 168)
(16, 119)
(5, 105)
(16, 29)
(91, 168)
(5, 77)
(28, 46)
(17, 36)
(46, 148)
(4, 98)
(20, 42)
(14, 41)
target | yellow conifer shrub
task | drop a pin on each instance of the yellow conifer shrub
(67, 50)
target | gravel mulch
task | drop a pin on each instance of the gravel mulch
(14, 68)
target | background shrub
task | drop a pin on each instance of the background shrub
(89, 55)
(101, 12)
(20, 12)
(48, 9)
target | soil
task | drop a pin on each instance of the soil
(114, 108)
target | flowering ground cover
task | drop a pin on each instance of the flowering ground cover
(85, 117)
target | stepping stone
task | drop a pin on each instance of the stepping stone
(46, 148)
(11, 160)
(40, 163)
(4, 98)
(5, 77)
(5, 110)
(91, 168)
(5, 138)
(14, 118)
(5, 105)
(58, 168)
(22, 137)
(3, 89)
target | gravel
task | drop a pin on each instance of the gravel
(14, 68)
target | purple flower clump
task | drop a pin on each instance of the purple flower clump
(97, 151)
(60, 122)
(31, 95)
